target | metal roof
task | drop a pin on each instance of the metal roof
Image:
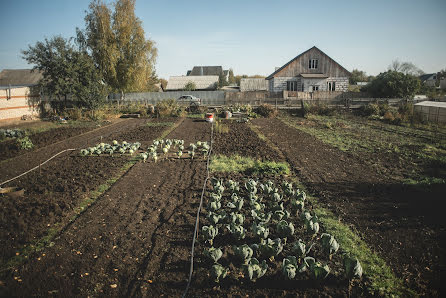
(201, 82)
(19, 77)
(313, 75)
(426, 76)
(253, 84)
(437, 104)
(206, 71)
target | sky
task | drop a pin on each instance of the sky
(251, 37)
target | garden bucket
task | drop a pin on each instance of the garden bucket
(209, 117)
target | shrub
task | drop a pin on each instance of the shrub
(266, 110)
(318, 108)
(168, 108)
(370, 109)
(74, 114)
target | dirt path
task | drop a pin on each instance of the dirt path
(410, 234)
(135, 241)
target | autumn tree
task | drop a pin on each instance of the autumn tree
(231, 78)
(119, 48)
(163, 83)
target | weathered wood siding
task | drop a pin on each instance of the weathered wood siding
(326, 65)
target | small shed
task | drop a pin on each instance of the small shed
(432, 111)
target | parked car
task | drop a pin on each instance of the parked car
(189, 99)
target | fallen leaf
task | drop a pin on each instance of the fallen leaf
(86, 273)
(113, 286)
(150, 281)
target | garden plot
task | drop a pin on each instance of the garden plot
(55, 192)
(387, 215)
(261, 238)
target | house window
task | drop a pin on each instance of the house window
(291, 86)
(312, 63)
(314, 88)
(331, 86)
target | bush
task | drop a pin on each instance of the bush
(370, 109)
(168, 108)
(74, 114)
(318, 108)
(266, 110)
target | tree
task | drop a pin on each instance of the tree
(68, 72)
(405, 67)
(394, 84)
(357, 76)
(231, 79)
(190, 86)
(222, 80)
(119, 48)
(163, 83)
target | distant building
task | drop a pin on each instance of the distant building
(253, 84)
(429, 79)
(19, 78)
(208, 82)
(310, 71)
(17, 96)
(208, 71)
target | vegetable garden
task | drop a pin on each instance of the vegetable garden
(116, 216)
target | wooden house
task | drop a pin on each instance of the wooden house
(313, 70)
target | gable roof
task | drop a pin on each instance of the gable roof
(206, 71)
(201, 82)
(426, 76)
(19, 77)
(297, 57)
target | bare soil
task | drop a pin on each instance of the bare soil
(404, 224)
(56, 189)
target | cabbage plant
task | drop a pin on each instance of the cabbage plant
(218, 272)
(299, 248)
(214, 217)
(251, 186)
(237, 231)
(233, 186)
(260, 230)
(279, 215)
(237, 218)
(209, 233)
(285, 229)
(214, 254)
(353, 268)
(254, 269)
(243, 253)
(329, 244)
(269, 248)
(261, 217)
(289, 267)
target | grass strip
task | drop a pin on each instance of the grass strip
(382, 280)
(247, 165)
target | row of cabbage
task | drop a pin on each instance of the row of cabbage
(163, 148)
(159, 148)
(265, 223)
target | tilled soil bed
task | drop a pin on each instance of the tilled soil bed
(134, 241)
(409, 233)
(9, 148)
(54, 191)
(243, 141)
